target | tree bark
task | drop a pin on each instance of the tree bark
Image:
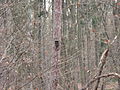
(57, 13)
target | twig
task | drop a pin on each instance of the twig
(5, 51)
(103, 61)
(116, 75)
(28, 82)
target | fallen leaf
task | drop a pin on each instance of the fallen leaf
(106, 41)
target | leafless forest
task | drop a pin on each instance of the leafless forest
(59, 44)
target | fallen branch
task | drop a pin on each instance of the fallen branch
(103, 61)
(116, 75)
(102, 64)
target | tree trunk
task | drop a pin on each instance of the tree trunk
(57, 13)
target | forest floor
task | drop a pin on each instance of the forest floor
(111, 86)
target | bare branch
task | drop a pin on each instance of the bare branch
(115, 75)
